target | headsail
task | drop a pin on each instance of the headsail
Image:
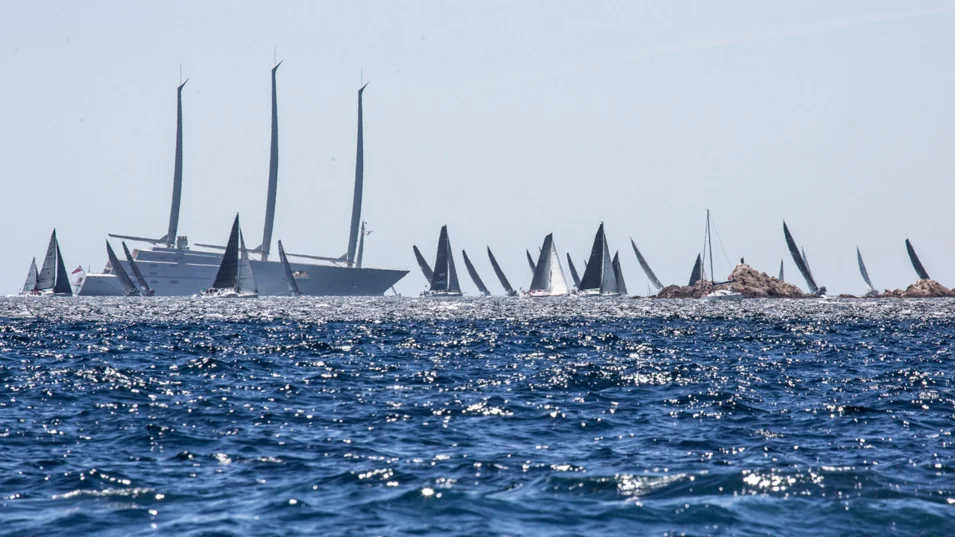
(548, 276)
(228, 274)
(30, 284)
(646, 267)
(530, 261)
(800, 262)
(176, 174)
(128, 286)
(697, 273)
(62, 285)
(618, 274)
(474, 275)
(805, 259)
(865, 273)
(781, 271)
(273, 173)
(289, 276)
(425, 269)
(500, 274)
(143, 286)
(47, 277)
(245, 283)
(359, 183)
(454, 286)
(598, 276)
(573, 271)
(444, 278)
(916, 263)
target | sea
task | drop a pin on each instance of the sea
(417, 416)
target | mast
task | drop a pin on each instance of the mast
(176, 174)
(273, 173)
(709, 241)
(359, 184)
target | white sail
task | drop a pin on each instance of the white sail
(245, 285)
(558, 284)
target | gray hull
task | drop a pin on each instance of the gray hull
(174, 272)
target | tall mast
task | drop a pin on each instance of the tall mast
(177, 173)
(359, 183)
(709, 240)
(273, 173)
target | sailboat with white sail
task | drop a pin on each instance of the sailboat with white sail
(30, 284)
(618, 274)
(444, 277)
(599, 277)
(235, 278)
(548, 275)
(718, 294)
(52, 279)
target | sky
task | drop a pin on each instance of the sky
(504, 120)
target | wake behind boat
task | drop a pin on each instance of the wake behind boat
(235, 278)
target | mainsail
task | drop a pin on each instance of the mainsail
(289, 276)
(530, 261)
(800, 262)
(916, 263)
(128, 286)
(599, 276)
(62, 285)
(500, 274)
(474, 275)
(425, 269)
(273, 174)
(444, 277)
(697, 273)
(573, 271)
(245, 283)
(47, 276)
(228, 274)
(359, 183)
(618, 274)
(646, 267)
(143, 286)
(30, 284)
(781, 271)
(865, 273)
(548, 275)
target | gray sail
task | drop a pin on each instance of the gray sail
(128, 286)
(530, 261)
(805, 259)
(599, 272)
(289, 275)
(273, 173)
(62, 285)
(697, 273)
(618, 274)
(500, 274)
(30, 284)
(359, 184)
(862, 269)
(228, 274)
(916, 263)
(474, 275)
(573, 271)
(646, 267)
(425, 269)
(138, 274)
(176, 174)
(541, 279)
(47, 276)
(800, 262)
(454, 286)
(441, 273)
(361, 246)
(781, 271)
(245, 282)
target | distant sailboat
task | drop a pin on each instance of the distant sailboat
(144, 288)
(697, 275)
(235, 278)
(646, 267)
(425, 268)
(916, 263)
(865, 275)
(129, 288)
(30, 284)
(548, 276)
(474, 275)
(52, 280)
(573, 271)
(781, 271)
(500, 274)
(289, 275)
(801, 263)
(530, 261)
(618, 274)
(717, 294)
(444, 278)
(598, 278)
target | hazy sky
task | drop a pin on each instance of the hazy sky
(505, 120)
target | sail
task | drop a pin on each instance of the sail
(548, 276)
(500, 274)
(228, 274)
(289, 277)
(781, 271)
(176, 174)
(800, 262)
(697, 273)
(646, 267)
(618, 274)
(599, 272)
(245, 282)
(359, 183)
(273, 174)
(145, 290)
(530, 261)
(474, 275)
(425, 269)
(439, 277)
(361, 246)
(573, 271)
(805, 259)
(128, 286)
(47, 276)
(454, 286)
(865, 273)
(62, 285)
(916, 263)
(558, 284)
(30, 284)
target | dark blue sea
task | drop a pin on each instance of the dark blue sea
(406, 416)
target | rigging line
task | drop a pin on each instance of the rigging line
(719, 240)
(703, 259)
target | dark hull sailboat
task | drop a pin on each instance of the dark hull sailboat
(599, 278)
(444, 278)
(500, 274)
(52, 279)
(478, 282)
(235, 278)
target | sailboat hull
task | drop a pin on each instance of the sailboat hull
(172, 272)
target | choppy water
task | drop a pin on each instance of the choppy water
(476, 417)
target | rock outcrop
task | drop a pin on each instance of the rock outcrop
(920, 289)
(744, 279)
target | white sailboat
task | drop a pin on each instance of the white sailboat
(235, 278)
(548, 275)
(718, 294)
(52, 279)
